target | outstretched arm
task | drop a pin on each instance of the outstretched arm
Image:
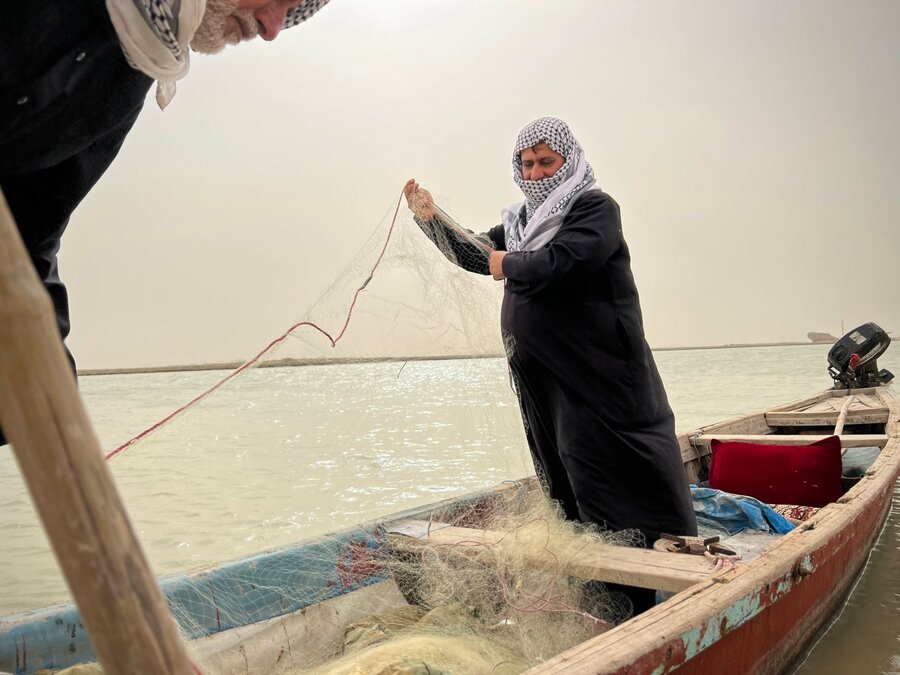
(460, 246)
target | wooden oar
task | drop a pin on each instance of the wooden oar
(70, 483)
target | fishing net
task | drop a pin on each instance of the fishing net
(478, 606)
(496, 597)
(390, 393)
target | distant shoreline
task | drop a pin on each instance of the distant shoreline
(293, 363)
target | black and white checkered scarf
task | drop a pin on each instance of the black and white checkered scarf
(531, 224)
(303, 11)
(156, 34)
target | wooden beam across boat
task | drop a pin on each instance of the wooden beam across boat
(612, 564)
(827, 419)
(847, 441)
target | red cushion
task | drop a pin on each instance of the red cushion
(809, 475)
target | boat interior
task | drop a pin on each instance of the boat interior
(858, 418)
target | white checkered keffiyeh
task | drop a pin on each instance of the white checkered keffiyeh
(156, 34)
(531, 224)
(303, 11)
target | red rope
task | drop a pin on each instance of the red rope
(249, 364)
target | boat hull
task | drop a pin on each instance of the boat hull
(757, 618)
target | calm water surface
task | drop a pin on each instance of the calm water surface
(287, 453)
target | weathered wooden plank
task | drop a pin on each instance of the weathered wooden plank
(745, 424)
(826, 406)
(842, 416)
(826, 419)
(613, 564)
(841, 393)
(865, 401)
(848, 441)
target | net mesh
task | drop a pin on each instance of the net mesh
(377, 601)
(413, 304)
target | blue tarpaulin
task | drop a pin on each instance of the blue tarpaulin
(734, 513)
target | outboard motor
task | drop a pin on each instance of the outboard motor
(851, 361)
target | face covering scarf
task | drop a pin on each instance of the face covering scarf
(532, 224)
(156, 34)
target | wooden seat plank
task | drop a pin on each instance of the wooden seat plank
(827, 419)
(612, 564)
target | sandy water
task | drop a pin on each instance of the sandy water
(283, 454)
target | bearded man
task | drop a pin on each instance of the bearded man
(73, 78)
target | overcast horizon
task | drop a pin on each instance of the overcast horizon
(753, 148)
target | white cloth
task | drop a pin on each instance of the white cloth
(532, 224)
(155, 36)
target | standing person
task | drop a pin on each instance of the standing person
(597, 419)
(73, 78)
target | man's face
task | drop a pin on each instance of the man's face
(228, 22)
(539, 162)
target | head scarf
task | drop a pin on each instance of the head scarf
(531, 224)
(303, 11)
(155, 35)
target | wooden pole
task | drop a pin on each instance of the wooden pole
(842, 415)
(842, 418)
(70, 484)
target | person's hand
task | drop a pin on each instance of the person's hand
(419, 200)
(495, 263)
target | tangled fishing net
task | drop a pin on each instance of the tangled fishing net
(497, 601)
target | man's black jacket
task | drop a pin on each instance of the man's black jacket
(67, 100)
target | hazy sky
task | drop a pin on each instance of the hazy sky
(753, 146)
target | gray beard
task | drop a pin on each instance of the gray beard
(210, 35)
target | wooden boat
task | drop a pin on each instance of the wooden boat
(756, 617)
